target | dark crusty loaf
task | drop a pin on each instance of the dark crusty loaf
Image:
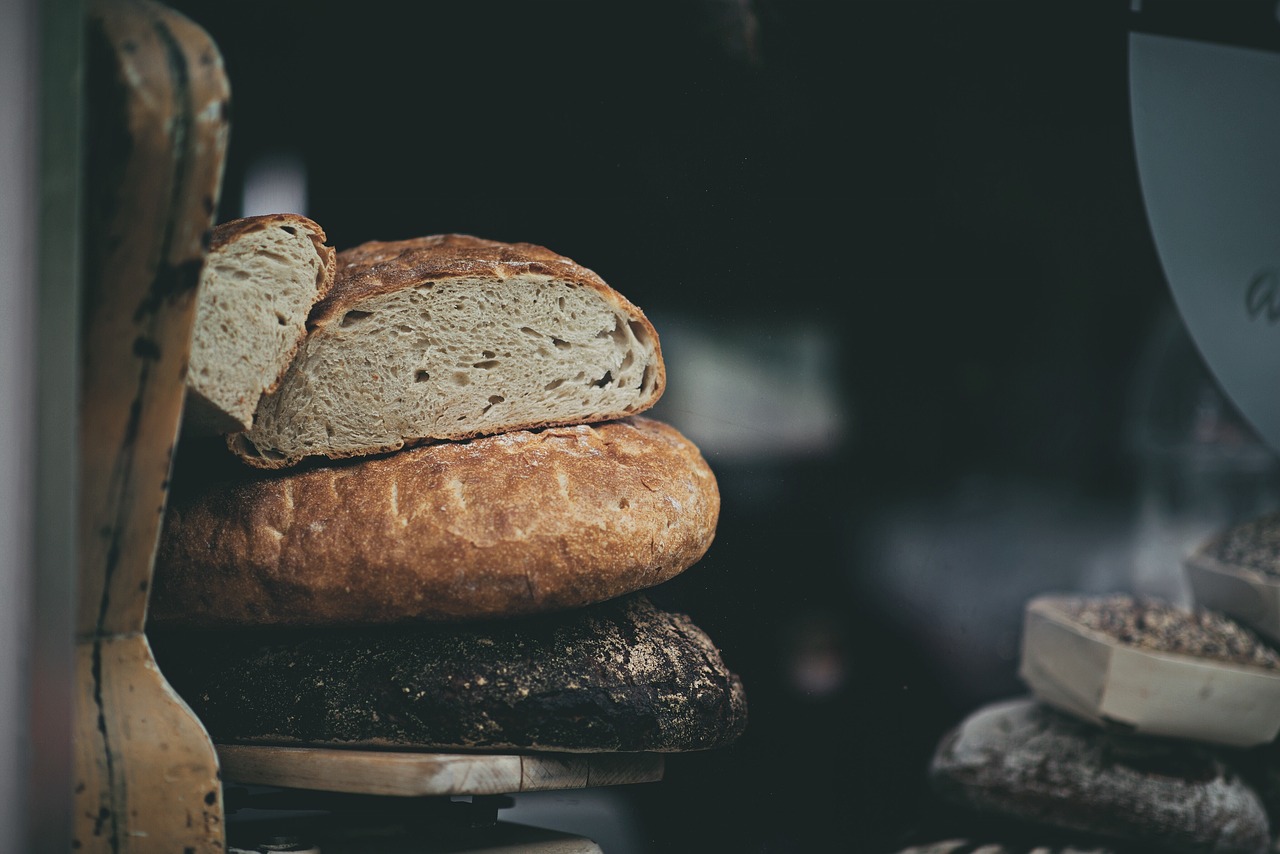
(450, 337)
(1023, 760)
(962, 845)
(259, 281)
(618, 676)
(518, 523)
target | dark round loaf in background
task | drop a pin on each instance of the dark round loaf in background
(620, 676)
(1025, 761)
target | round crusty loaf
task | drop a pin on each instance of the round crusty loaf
(259, 281)
(619, 676)
(1020, 759)
(511, 524)
(450, 337)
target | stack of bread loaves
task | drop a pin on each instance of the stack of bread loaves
(416, 506)
(1147, 728)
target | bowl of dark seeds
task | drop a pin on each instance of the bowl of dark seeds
(1237, 572)
(1149, 666)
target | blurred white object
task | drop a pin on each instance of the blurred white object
(749, 390)
(1098, 678)
(275, 183)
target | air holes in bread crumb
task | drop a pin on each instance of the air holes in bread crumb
(493, 400)
(460, 378)
(238, 273)
(486, 364)
(560, 344)
(641, 334)
(553, 385)
(288, 229)
(354, 316)
(604, 380)
(281, 319)
(421, 376)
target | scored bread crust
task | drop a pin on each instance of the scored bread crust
(519, 523)
(467, 342)
(218, 402)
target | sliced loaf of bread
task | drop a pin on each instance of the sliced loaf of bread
(260, 278)
(451, 337)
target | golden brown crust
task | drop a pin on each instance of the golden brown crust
(518, 523)
(231, 230)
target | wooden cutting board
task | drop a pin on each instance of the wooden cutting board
(408, 774)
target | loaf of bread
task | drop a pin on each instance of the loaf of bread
(260, 278)
(620, 676)
(518, 523)
(452, 337)
(961, 845)
(1025, 761)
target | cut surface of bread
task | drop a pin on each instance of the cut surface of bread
(621, 676)
(499, 526)
(449, 337)
(259, 281)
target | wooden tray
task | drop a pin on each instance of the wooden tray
(409, 774)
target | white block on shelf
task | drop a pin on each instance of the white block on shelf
(1098, 678)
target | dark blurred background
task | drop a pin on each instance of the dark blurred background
(913, 315)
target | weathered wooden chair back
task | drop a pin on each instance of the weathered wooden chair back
(146, 773)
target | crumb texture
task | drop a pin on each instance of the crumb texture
(621, 676)
(259, 281)
(1021, 760)
(452, 337)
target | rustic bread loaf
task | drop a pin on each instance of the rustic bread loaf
(451, 337)
(961, 845)
(260, 278)
(517, 523)
(619, 676)
(1019, 758)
